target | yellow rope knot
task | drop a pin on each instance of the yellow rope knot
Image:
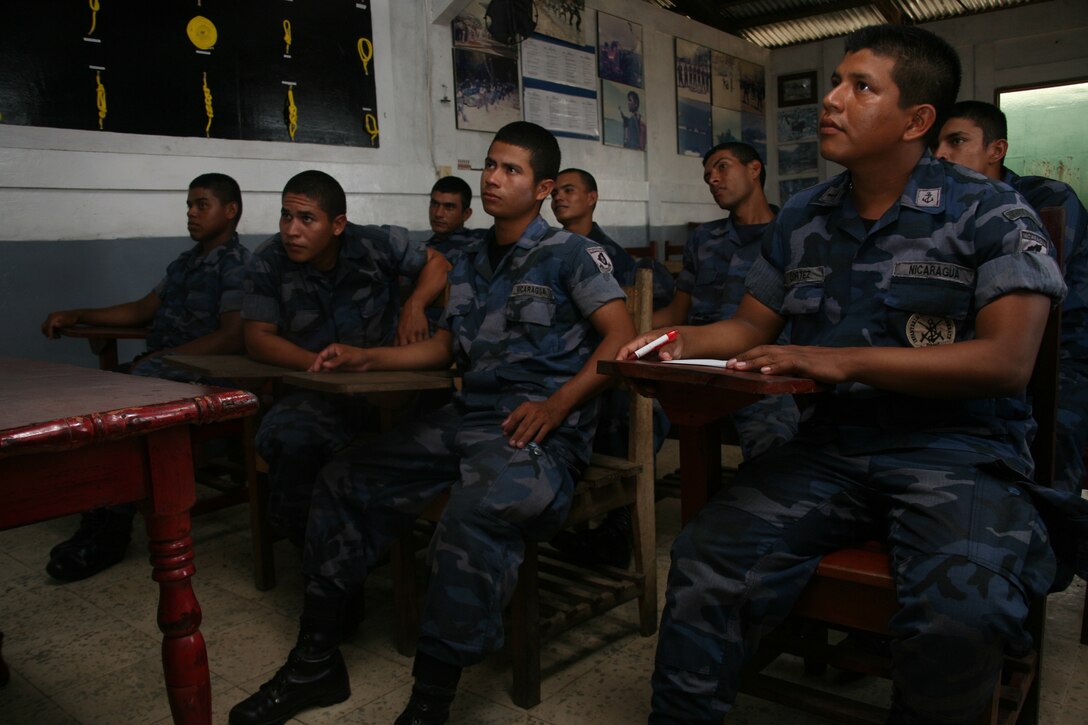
(287, 37)
(100, 98)
(292, 113)
(366, 52)
(94, 15)
(371, 124)
(208, 110)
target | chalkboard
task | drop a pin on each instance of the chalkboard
(268, 70)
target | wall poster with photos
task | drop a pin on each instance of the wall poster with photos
(485, 74)
(620, 67)
(694, 120)
(798, 128)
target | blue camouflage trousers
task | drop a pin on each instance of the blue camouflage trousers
(766, 423)
(1072, 427)
(968, 552)
(499, 497)
(300, 433)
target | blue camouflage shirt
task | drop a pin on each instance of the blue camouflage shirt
(1042, 192)
(357, 302)
(955, 242)
(520, 332)
(624, 267)
(716, 261)
(195, 292)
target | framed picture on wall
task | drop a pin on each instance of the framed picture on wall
(797, 89)
(619, 50)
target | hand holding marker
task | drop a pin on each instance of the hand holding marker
(652, 345)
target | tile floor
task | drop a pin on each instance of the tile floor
(89, 652)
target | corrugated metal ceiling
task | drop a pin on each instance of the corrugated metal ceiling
(778, 23)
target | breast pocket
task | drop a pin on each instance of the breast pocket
(533, 319)
(930, 297)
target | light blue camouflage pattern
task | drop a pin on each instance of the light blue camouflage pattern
(1072, 429)
(519, 333)
(716, 262)
(943, 481)
(357, 304)
(624, 267)
(452, 248)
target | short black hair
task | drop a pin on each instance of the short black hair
(544, 156)
(454, 185)
(320, 187)
(632, 94)
(745, 154)
(222, 187)
(587, 178)
(927, 68)
(986, 116)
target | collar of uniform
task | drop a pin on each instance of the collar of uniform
(193, 258)
(926, 190)
(835, 193)
(534, 232)
(1009, 176)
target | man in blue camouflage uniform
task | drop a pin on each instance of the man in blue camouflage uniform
(717, 258)
(319, 281)
(574, 199)
(531, 311)
(976, 136)
(450, 207)
(918, 292)
(195, 309)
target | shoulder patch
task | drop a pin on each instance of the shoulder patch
(1032, 242)
(928, 197)
(1015, 213)
(600, 258)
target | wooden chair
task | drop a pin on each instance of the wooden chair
(648, 250)
(552, 594)
(853, 591)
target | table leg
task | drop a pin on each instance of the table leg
(700, 466)
(169, 529)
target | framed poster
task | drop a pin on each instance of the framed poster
(621, 113)
(561, 19)
(797, 89)
(753, 88)
(619, 50)
(726, 81)
(789, 187)
(798, 158)
(485, 89)
(798, 124)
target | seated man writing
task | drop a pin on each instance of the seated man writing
(919, 292)
(196, 310)
(530, 313)
(323, 280)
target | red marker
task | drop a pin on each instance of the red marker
(653, 345)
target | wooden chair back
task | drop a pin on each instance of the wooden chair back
(648, 250)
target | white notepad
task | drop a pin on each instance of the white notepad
(705, 361)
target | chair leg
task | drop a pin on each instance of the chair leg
(403, 569)
(264, 563)
(1084, 619)
(643, 533)
(525, 632)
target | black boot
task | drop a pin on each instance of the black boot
(314, 676)
(100, 542)
(432, 693)
(609, 543)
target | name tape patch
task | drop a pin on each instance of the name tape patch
(926, 269)
(540, 291)
(1015, 213)
(805, 276)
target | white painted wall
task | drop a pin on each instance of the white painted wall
(91, 218)
(1035, 44)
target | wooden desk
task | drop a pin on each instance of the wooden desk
(103, 340)
(696, 399)
(383, 381)
(226, 367)
(72, 439)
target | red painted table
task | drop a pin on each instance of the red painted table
(73, 438)
(696, 399)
